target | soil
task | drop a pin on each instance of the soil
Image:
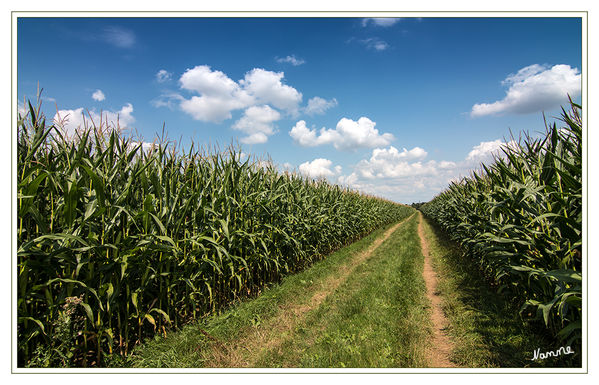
(440, 347)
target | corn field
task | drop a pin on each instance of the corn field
(521, 219)
(119, 242)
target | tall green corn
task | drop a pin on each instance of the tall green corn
(117, 242)
(521, 218)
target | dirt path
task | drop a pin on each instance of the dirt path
(441, 346)
(245, 351)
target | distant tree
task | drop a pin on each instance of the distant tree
(417, 205)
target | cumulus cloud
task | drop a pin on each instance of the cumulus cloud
(210, 109)
(319, 168)
(534, 89)
(291, 60)
(447, 165)
(98, 95)
(257, 123)
(202, 79)
(163, 76)
(318, 105)
(380, 21)
(486, 151)
(391, 163)
(305, 136)
(393, 153)
(69, 121)
(406, 176)
(348, 135)
(267, 87)
(219, 95)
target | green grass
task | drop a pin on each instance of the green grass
(378, 318)
(486, 328)
(187, 347)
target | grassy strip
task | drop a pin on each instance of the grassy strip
(190, 347)
(485, 328)
(376, 318)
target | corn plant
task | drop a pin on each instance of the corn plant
(521, 218)
(143, 239)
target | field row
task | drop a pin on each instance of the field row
(117, 242)
(520, 219)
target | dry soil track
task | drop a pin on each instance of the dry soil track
(440, 348)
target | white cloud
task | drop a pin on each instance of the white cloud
(380, 21)
(118, 36)
(70, 120)
(391, 163)
(406, 176)
(406, 190)
(219, 95)
(319, 168)
(286, 167)
(318, 105)
(350, 180)
(264, 164)
(98, 95)
(486, 151)
(447, 165)
(257, 123)
(303, 135)
(210, 109)
(124, 116)
(203, 80)
(523, 74)
(163, 76)
(374, 43)
(348, 135)
(393, 153)
(267, 88)
(292, 60)
(168, 99)
(534, 89)
(146, 147)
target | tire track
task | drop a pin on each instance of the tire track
(441, 346)
(244, 352)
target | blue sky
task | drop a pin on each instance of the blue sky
(392, 107)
